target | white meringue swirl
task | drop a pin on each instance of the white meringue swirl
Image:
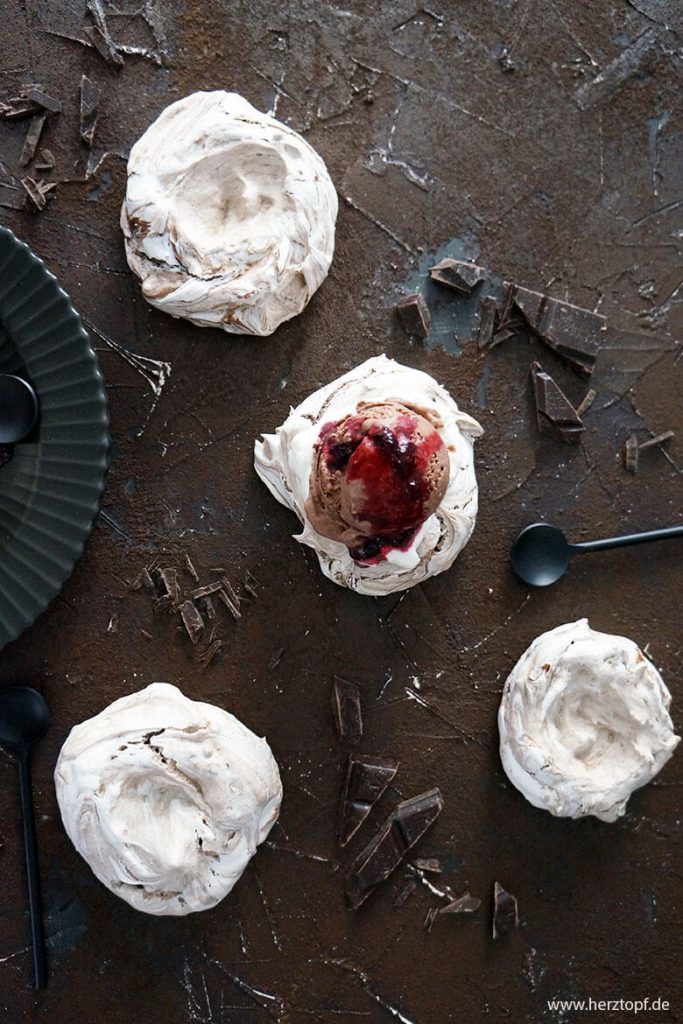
(284, 460)
(229, 215)
(166, 798)
(583, 722)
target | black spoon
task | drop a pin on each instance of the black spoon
(24, 719)
(18, 408)
(541, 553)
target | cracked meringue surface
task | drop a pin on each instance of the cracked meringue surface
(167, 798)
(584, 721)
(284, 462)
(229, 215)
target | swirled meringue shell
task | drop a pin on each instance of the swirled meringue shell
(166, 798)
(229, 215)
(584, 721)
(284, 460)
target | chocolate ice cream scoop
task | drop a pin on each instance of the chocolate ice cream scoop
(377, 475)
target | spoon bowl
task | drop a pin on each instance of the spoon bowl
(540, 555)
(24, 718)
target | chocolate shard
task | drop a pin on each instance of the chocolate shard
(143, 580)
(399, 833)
(210, 588)
(631, 454)
(366, 780)
(32, 138)
(35, 192)
(406, 891)
(586, 402)
(346, 706)
(229, 603)
(169, 578)
(11, 197)
(459, 275)
(553, 408)
(45, 161)
(487, 320)
(90, 98)
(414, 315)
(429, 864)
(505, 911)
(464, 904)
(37, 94)
(653, 442)
(189, 565)
(205, 657)
(574, 333)
(19, 107)
(104, 45)
(192, 620)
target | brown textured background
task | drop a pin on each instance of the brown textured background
(563, 172)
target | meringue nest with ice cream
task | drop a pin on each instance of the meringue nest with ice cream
(167, 798)
(229, 215)
(584, 721)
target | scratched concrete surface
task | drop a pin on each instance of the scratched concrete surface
(545, 138)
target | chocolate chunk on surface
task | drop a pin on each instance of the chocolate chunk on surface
(505, 911)
(90, 98)
(346, 706)
(553, 408)
(574, 333)
(407, 823)
(487, 320)
(366, 780)
(32, 138)
(457, 274)
(192, 620)
(464, 904)
(37, 94)
(414, 315)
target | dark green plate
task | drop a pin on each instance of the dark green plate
(50, 491)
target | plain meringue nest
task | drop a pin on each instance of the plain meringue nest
(167, 798)
(584, 721)
(229, 215)
(284, 462)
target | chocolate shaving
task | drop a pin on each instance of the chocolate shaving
(631, 454)
(487, 319)
(169, 578)
(430, 864)
(407, 823)
(210, 588)
(104, 44)
(46, 160)
(192, 620)
(430, 918)
(586, 402)
(459, 275)
(366, 780)
(249, 584)
(553, 407)
(191, 569)
(37, 190)
(574, 333)
(143, 580)
(414, 315)
(11, 197)
(36, 94)
(32, 138)
(464, 904)
(206, 656)
(90, 98)
(209, 608)
(275, 658)
(17, 108)
(229, 604)
(659, 439)
(348, 716)
(505, 911)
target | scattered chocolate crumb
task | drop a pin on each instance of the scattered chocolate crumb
(90, 98)
(347, 710)
(414, 315)
(459, 275)
(553, 408)
(407, 823)
(12, 197)
(366, 780)
(464, 904)
(145, 633)
(192, 620)
(37, 94)
(487, 319)
(113, 626)
(631, 454)
(505, 911)
(574, 333)
(32, 138)
(406, 891)
(586, 402)
(430, 864)
(190, 568)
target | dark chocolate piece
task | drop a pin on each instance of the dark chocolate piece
(572, 332)
(631, 454)
(347, 710)
(104, 45)
(366, 780)
(209, 608)
(659, 439)
(487, 319)
(143, 580)
(192, 620)
(45, 161)
(6, 453)
(586, 402)
(553, 407)
(19, 107)
(249, 584)
(37, 190)
(169, 578)
(407, 823)
(457, 274)
(189, 565)
(90, 98)
(229, 604)
(12, 198)
(505, 911)
(205, 657)
(38, 95)
(210, 588)
(431, 865)
(464, 904)
(32, 138)
(414, 315)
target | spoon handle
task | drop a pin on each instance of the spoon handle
(31, 851)
(631, 538)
